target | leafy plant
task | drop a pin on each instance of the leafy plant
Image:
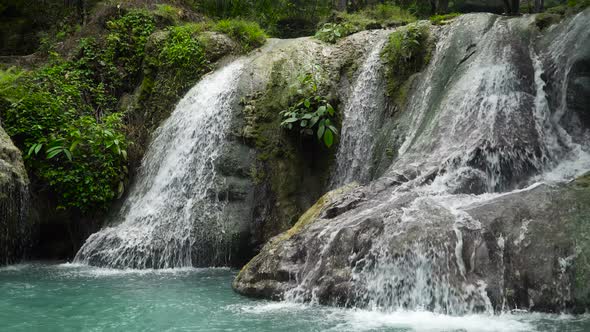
(312, 114)
(126, 41)
(248, 34)
(61, 116)
(331, 32)
(406, 52)
(182, 50)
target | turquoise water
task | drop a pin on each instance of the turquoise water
(38, 297)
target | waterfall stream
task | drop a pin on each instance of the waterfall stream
(481, 124)
(362, 110)
(172, 217)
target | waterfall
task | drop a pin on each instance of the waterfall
(361, 113)
(490, 130)
(172, 216)
(489, 117)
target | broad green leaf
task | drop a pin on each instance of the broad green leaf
(313, 121)
(330, 110)
(68, 154)
(321, 130)
(303, 123)
(307, 103)
(333, 129)
(74, 145)
(31, 150)
(328, 138)
(321, 110)
(51, 155)
(53, 149)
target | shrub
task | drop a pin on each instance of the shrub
(312, 114)
(248, 34)
(331, 32)
(376, 17)
(79, 156)
(126, 41)
(182, 51)
(406, 52)
(388, 14)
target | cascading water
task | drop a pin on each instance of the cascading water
(361, 113)
(172, 216)
(492, 131)
(480, 126)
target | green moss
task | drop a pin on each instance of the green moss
(314, 212)
(571, 8)
(545, 20)
(376, 17)
(248, 34)
(407, 52)
(443, 19)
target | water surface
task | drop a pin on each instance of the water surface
(67, 297)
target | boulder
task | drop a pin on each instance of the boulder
(14, 202)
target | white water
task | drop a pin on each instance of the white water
(172, 217)
(361, 113)
(476, 129)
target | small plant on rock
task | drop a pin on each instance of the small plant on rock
(312, 114)
(331, 32)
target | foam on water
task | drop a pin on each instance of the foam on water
(425, 321)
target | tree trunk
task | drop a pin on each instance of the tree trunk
(512, 7)
(539, 6)
(340, 5)
(515, 7)
(443, 6)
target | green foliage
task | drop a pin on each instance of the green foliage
(572, 7)
(406, 52)
(443, 19)
(376, 17)
(388, 14)
(169, 12)
(544, 20)
(182, 51)
(331, 32)
(63, 115)
(267, 13)
(51, 115)
(312, 114)
(126, 41)
(248, 34)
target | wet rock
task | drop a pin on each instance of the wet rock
(14, 203)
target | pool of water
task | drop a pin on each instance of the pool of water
(66, 297)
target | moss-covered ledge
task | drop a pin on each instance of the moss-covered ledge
(261, 277)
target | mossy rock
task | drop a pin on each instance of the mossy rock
(545, 20)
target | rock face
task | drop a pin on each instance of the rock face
(472, 213)
(525, 250)
(14, 198)
(271, 176)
